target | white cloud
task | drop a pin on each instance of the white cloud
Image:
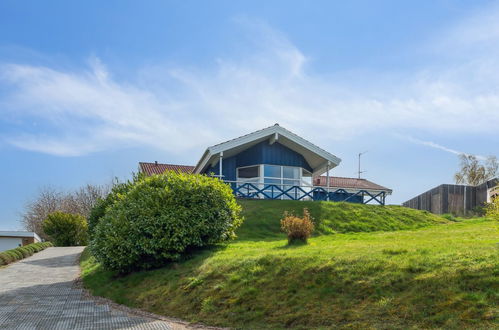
(86, 111)
(440, 147)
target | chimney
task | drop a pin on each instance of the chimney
(156, 162)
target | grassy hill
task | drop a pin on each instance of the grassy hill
(262, 218)
(441, 276)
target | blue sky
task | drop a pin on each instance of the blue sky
(89, 89)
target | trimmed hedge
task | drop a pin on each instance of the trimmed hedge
(9, 256)
(161, 218)
(66, 229)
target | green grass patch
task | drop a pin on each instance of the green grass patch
(262, 218)
(434, 277)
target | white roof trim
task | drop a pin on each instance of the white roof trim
(269, 131)
(20, 234)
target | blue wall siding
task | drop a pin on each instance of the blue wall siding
(228, 168)
(337, 197)
(261, 153)
(273, 154)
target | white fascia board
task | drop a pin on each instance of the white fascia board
(19, 234)
(242, 140)
(202, 162)
(272, 130)
(37, 237)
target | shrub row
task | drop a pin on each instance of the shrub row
(6, 257)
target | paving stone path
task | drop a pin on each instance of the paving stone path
(39, 292)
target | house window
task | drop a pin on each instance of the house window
(284, 177)
(272, 171)
(306, 177)
(291, 172)
(248, 172)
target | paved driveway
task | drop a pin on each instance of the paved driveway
(39, 293)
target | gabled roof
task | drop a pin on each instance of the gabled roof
(20, 234)
(317, 158)
(350, 183)
(157, 168)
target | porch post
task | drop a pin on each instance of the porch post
(220, 165)
(327, 181)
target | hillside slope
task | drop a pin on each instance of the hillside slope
(434, 277)
(262, 218)
(437, 277)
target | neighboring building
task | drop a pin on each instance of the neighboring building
(494, 193)
(274, 163)
(452, 198)
(12, 239)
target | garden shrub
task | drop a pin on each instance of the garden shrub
(449, 217)
(493, 209)
(66, 229)
(45, 245)
(5, 258)
(17, 254)
(297, 229)
(35, 247)
(118, 191)
(162, 217)
(480, 210)
(25, 252)
(30, 248)
(12, 257)
(9, 256)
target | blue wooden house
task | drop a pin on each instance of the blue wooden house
(274, 163)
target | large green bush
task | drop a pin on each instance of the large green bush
(119, 190)
(161, 217)
(65, 229)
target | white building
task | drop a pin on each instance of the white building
(12, 239)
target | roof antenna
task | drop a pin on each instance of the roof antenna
(359, 171)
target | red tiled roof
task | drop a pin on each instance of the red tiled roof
(157, 168)
(352, 183)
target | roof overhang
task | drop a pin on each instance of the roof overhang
(318, 159)
(21, 234)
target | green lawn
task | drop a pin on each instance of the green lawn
(440, 276)
(262, 218)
